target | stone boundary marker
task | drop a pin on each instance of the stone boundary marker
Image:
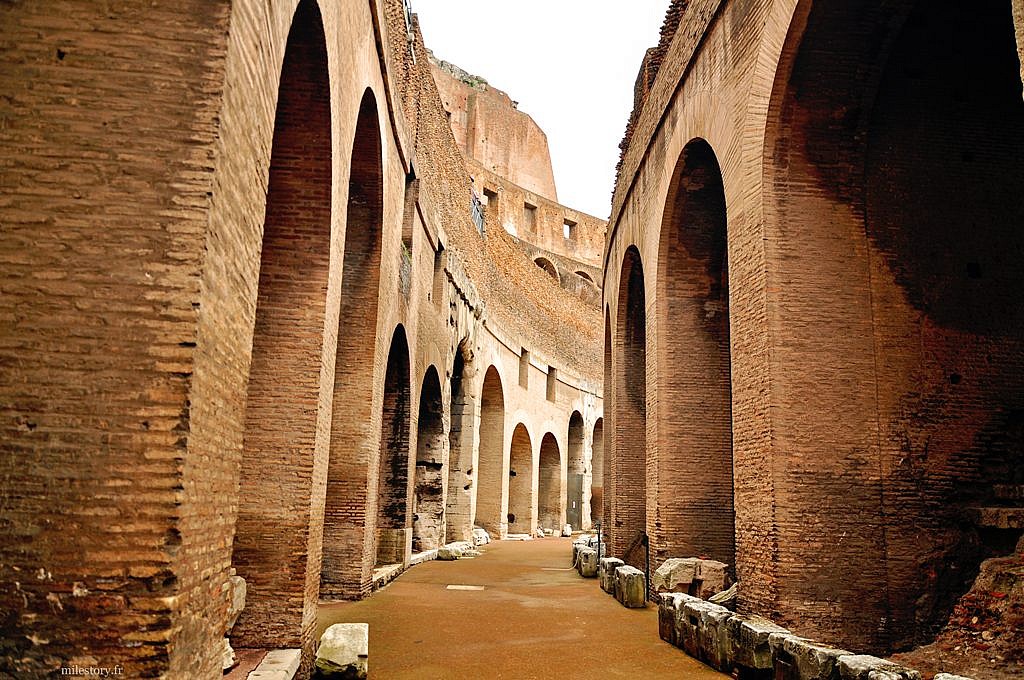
(755, 647)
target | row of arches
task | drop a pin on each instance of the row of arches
(394, 463)
(869, 385)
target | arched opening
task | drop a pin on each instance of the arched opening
(274, 548)
(521, 516)
(695, 466)
(586, 277)
(346, 566)
(576, 479)
(550, 510)
(394, 537)
(492, 482)
(428, 485)
(903, 125)
(547, 266)
(597, 479)
(629, 511)
(458, 510)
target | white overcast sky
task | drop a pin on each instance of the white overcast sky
(570, 64)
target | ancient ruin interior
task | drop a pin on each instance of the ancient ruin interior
(293, 322)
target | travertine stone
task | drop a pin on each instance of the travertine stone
(630, 587)
(606, 573)
(344, 651)
(587, 563)
(865, 667)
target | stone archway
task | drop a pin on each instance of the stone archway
(431, 457)
(274, 548)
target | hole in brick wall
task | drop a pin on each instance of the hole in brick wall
(974, 270)
(955, 378)
(61, 54)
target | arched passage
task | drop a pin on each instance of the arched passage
(629, 509)
(492, 481)
(393, 532)
(597, 479)
(550, 508)
(346, 565)
(902, 124)
(576, 473)
(547, 266)
(695, 466)
(521, 508)
(274, 548)
(458, 510)
(431, 456)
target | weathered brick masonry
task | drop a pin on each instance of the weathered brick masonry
(238, 268)
(824, 198)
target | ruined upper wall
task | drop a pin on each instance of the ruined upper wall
(519, 298)
(490, 129)
(537, 220)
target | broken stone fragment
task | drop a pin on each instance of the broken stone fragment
(236, 602)
(630, 588)
(674, 575)
(227, 656)
(455, 550)
(949, 676)
(539, 533)
(344, 651)
(587, 565)
(480, 536)
(567, 530)
(865, 667)
(606, 573)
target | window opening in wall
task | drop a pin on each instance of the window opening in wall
(529, 217)
(524, 368)
(568, 229)
(440, 261)
(552, 382)
(491, 201)
(476, 210)
(412, 194)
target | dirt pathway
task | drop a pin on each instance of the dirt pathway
(534, 618)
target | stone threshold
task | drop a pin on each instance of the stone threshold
(275, 664)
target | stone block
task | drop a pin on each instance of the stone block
(668, 607)
(480, 536)
(278, 664)
(606, 573)
(713, 638)
(630, 587)
(567, 530)
(674, 575)
(587, 566)
(748, 641)
(713, 578)
(702, 630)
(865, 667)
(227, 655)
(798, 657)
(949, 676)
(344, 651)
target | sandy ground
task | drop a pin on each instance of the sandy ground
(535, 618)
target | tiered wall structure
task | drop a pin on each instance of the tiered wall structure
(249, 322)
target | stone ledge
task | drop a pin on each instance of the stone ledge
(278, 664)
